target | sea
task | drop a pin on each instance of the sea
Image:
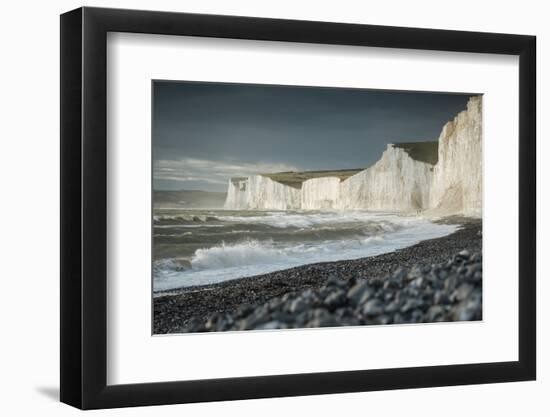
(194, 247)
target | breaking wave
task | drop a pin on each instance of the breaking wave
(248, 245)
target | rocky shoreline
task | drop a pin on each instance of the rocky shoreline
(434, 280)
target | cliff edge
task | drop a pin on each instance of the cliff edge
(441, 177)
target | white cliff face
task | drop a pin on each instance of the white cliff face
(271, 195)
(395, 183)
(457, 182)
(261, 193)
(237, 196)
(321, 193)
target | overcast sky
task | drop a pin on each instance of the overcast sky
(205, 133)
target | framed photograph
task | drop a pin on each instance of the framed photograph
(257, 208)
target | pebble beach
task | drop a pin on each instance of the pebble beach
(433, 281)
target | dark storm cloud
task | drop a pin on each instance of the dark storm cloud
(204, 133)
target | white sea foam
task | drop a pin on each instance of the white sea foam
(246, 253)
(283, 219)
(223, 262)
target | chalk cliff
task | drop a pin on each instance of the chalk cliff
(441, 177)
(457, 182)
(396, 182)
(258, 192)
(321, 193)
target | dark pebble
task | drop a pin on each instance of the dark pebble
(428, 289)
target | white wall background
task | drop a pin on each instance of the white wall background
(29, 175)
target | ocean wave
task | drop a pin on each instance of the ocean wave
(281, 219)
(388, 222)
(255, 249)
(171, 264)
(181, 219)
(240, 254)
(229, 234)
(251, 257)
(254, 252)
(304, 219)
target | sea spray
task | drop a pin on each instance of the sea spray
(241, 244)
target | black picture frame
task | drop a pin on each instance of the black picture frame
(84, 207)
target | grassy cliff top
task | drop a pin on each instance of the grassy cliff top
(420, 151)
(295, 179)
